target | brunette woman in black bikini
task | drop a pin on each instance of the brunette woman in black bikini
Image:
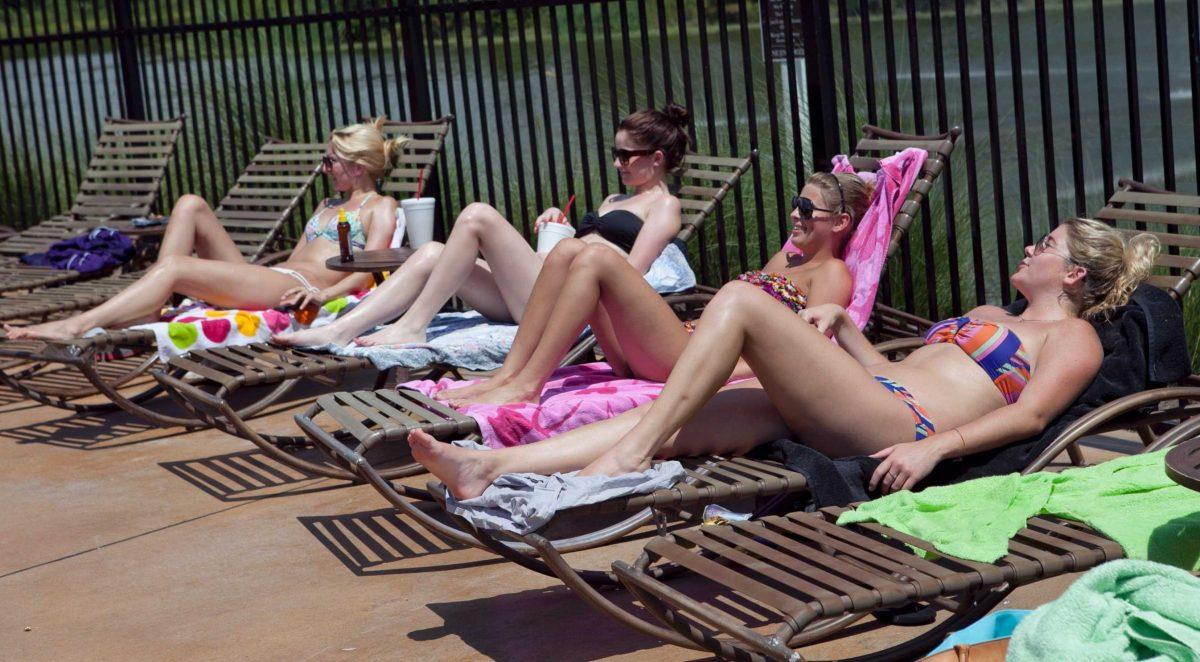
(491, 266)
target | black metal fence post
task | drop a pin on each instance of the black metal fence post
(818, 64)
(127, 50)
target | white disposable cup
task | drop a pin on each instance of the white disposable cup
(419, 214)
(551, 234)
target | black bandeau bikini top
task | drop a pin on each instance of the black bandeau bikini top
(620, 226)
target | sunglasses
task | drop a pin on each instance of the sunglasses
(328, 160)
(625, 155)
(1043, 246)
(806, 207)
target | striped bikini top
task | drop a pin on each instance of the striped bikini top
(358, 237)
(994, 347)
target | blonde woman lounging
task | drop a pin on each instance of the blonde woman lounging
(649, 145)
(981, 381)
(198, 258)
(636, 328)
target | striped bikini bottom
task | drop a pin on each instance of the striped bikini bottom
(923, 427)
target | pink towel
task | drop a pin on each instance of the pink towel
(866, 252)
(573, 397)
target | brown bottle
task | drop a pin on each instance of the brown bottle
(343, 231)
(307, 314)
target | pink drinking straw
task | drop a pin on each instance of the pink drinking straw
(567, 210)
(420, 181)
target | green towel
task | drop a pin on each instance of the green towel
(1130, 500)
(1123, 610)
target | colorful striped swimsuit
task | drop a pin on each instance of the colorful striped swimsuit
(994, 347)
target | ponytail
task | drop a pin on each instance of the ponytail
(1115, 267)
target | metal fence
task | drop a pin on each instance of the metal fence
(1057, 100)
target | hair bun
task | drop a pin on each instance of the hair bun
(379, 123)
(677, 114)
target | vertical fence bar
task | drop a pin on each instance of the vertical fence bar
(868, 61)
(515, 139)
(793, 88)
(127, 50)
(37, 203)
(18, 215)
(52, 118)
(487, 149)
(1193, 27)
(554, 158)
(497, 110)
(927, 229)
(943, 123)
(468, 114)
(706, 72)
(221, 144)
(847, 74)
(648, 71)
(567, 158)
(962, 46)
(577, 88)
(1131, 92)
(1164, 94)
(730, 123)
(781, 212)
(989, 68)
(893, 87)
(70, 139)
(599, 134)
(822, 102)
(531, 129)
(665, 54)
(760, 217)
(627, 50)
(1018, 87)
(1073, 108)
(1106, 158)
(1047, 115)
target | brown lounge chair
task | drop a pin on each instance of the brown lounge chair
(706, 182)
(254, 211)
(121, 183)
(714, 479)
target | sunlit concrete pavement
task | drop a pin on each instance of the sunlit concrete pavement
(119, 540)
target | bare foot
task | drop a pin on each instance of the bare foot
(391, 335)
(464, 472)
(504, 394)
(65, 329)
(471, 390)
(323, 335)
(614, 464)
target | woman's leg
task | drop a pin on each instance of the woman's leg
(826, 397)
(194, 228)
(221, 284)
(648, 333)
(542, 302)
(479, 229)
(737, 419)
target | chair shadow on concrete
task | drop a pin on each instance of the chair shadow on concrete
(246, 476)
(382, 542)
(88, 432)
(546, 623)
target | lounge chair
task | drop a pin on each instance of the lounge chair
(707, 180)
(256, 219)
(121, 183)
(254, 212)
(713, 479)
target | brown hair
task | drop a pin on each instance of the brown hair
(664, 130)
(365, 145)
(855, 194)
(1115, 267)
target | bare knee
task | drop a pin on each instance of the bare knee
(478, 217)
(170, 266)
(597, 257)
(565, 251)
(426, 256)
(187, 206)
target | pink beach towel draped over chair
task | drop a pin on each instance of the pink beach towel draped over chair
(866, 251)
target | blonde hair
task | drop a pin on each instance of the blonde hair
(1115, 267)
(365, 145)
(855, 194)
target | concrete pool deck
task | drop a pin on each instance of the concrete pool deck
(120, 540)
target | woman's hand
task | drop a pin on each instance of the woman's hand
(551, 215)
(904, 465)
(300, 297)
(826, 317)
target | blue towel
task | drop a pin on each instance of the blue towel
(102, 249)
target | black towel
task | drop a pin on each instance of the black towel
(1144, 347)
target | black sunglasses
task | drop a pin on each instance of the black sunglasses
(624, 155)
(806, 207)
(327, 161)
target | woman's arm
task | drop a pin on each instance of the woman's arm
(833, 319)
(659, 230)
(1067, 363)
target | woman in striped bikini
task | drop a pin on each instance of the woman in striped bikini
(980, 381)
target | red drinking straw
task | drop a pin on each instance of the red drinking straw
(567, 210)
(420, 181)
